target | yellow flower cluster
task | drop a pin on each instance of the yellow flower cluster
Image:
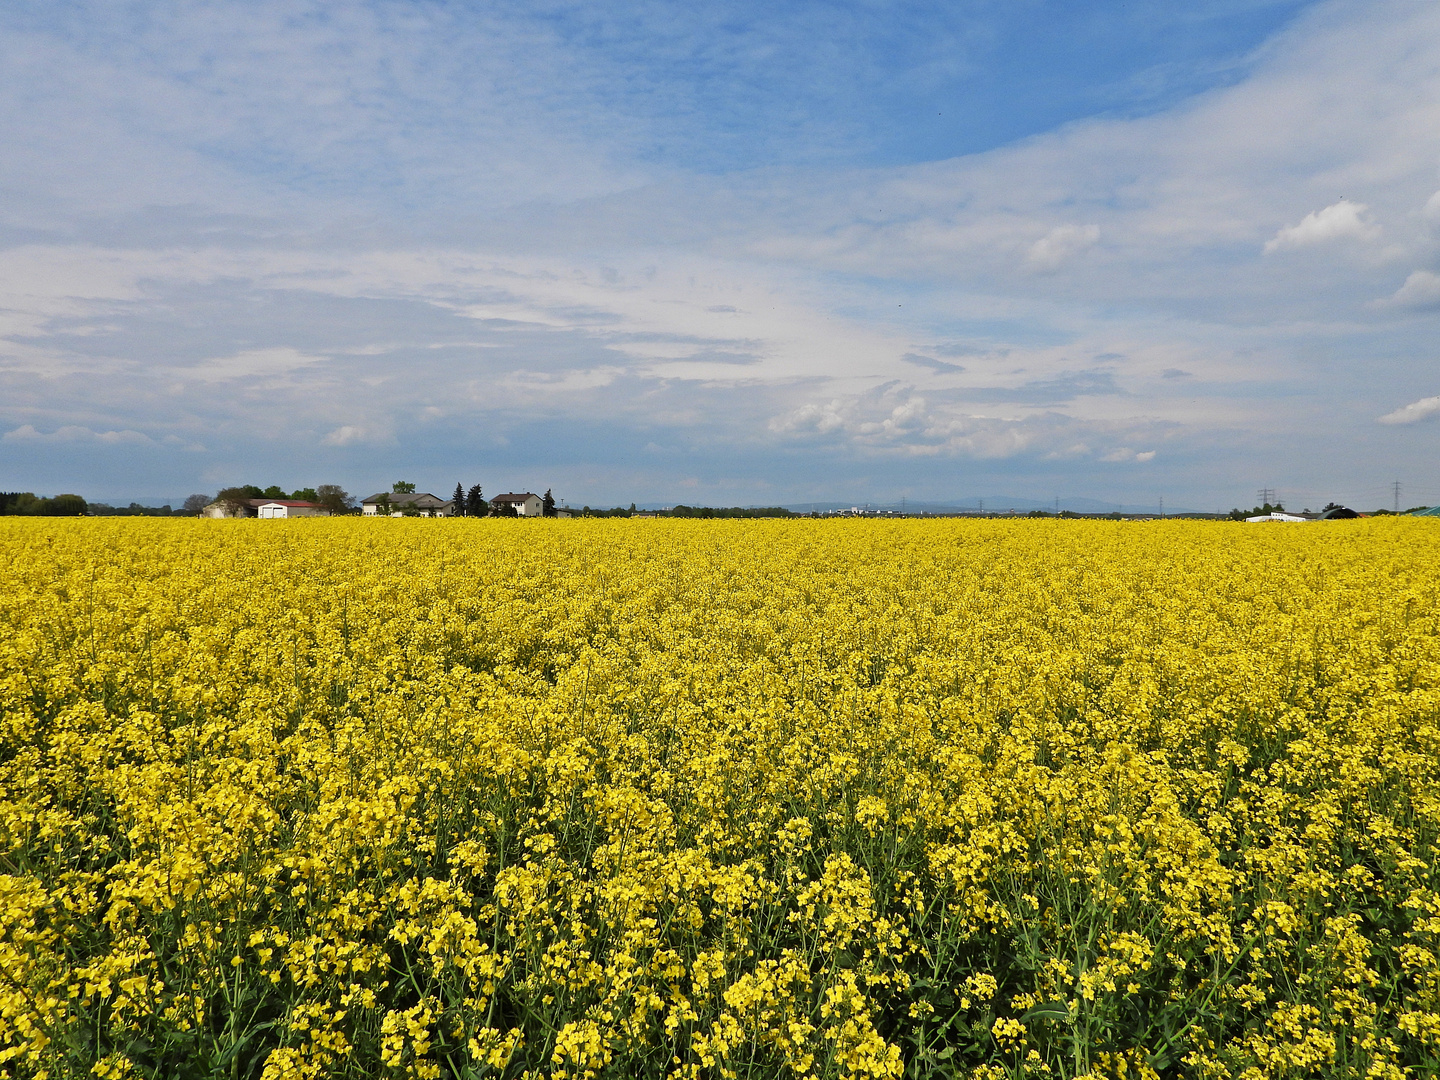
(341, 798)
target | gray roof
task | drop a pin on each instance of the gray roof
(396, 498)
(511, 496)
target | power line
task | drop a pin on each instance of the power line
(1266, 496)
(1395, 488)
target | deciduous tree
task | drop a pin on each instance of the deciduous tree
(334, 498)
(234, 499)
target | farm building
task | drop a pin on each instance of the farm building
(265, 508)
(290, 508)
(422, 502)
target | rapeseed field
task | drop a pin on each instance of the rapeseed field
(797, 799)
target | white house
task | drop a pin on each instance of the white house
(526, 504)
(422, 502)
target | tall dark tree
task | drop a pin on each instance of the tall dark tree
(457, 501)
(547, 504)
(475, 504)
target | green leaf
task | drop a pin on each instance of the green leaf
(1047, 1010)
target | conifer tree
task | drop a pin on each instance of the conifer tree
(457, 501)
(547, 504)
(475, 504)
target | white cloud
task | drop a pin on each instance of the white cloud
(1060, 245)
(187, 445)
(562, 382)
(74, 433)
(1341, 220)
(1125, 453)
(346, 435)
(1431, 213)
(1414, 412)
(892, 419)
(811, 418)
(252, 364)
(1421, 290)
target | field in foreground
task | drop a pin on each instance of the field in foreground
(639, 799)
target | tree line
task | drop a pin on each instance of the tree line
(469, 502)
(683, 511)
(28, 504)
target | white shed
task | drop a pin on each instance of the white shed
(290, 508)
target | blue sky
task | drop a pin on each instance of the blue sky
(723, 253)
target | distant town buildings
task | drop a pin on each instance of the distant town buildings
(232, 503)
